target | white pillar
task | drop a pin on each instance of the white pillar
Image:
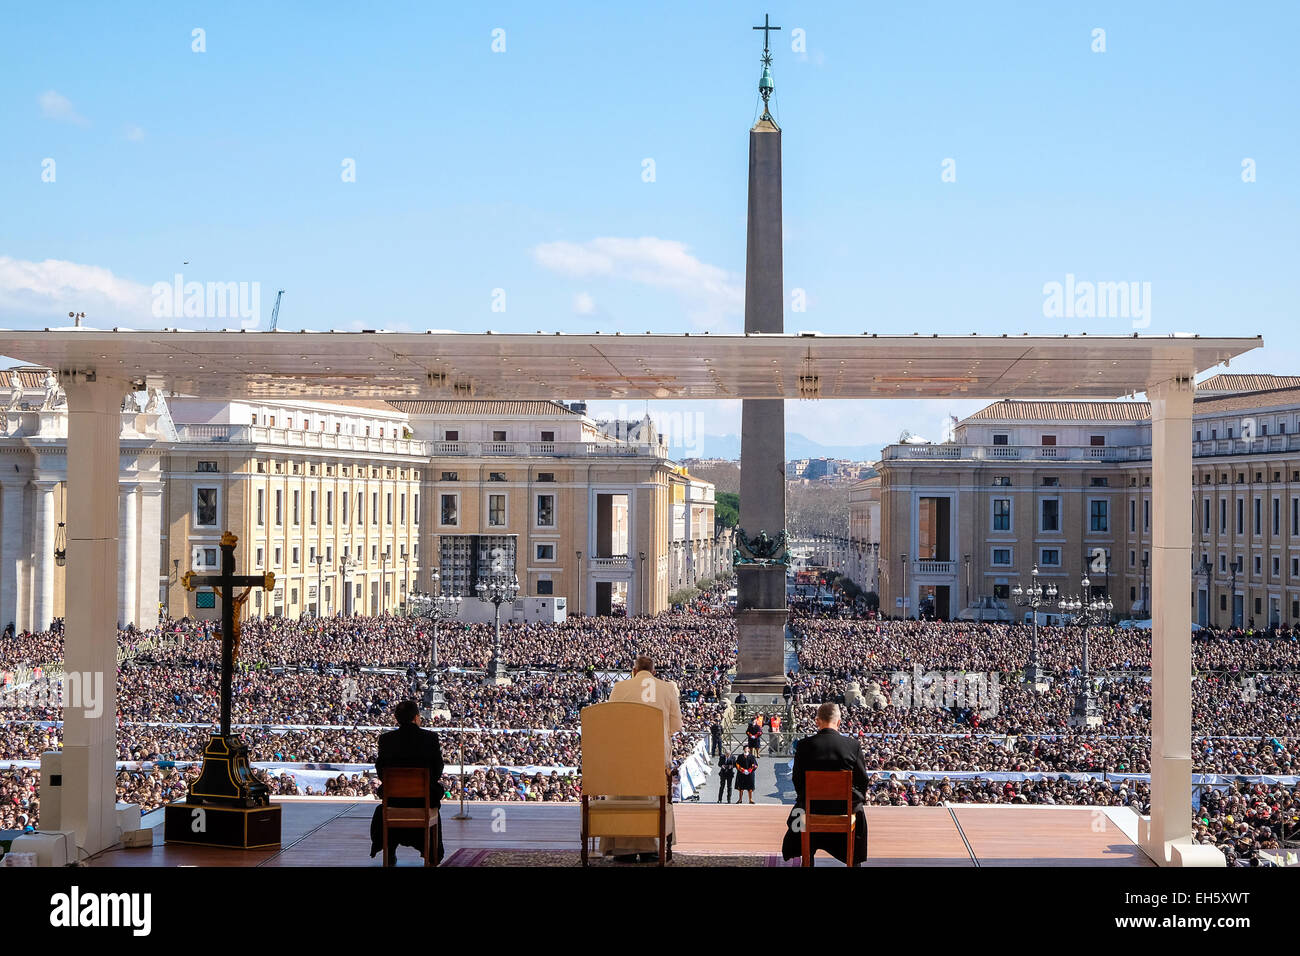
(150, 554)
(12, 540)
(43, 565)
(1169, 840)
(128, 539)
(90, 639)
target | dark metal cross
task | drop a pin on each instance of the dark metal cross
(225, 584)
(766, 28)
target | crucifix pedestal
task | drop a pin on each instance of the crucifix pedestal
(226, 805)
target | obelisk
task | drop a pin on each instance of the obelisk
(760, 599)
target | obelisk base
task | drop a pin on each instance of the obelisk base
(760, 666)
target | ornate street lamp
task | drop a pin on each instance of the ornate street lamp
(497, 590)
(320, 591)
(1205, 569)
(61, 545)
(346, 563)
(902, 562)
(433, 607)
(1145, 598)
(1087, 611)
(1034, 597)
(1236, 621)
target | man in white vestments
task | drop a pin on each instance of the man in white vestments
(644, 688)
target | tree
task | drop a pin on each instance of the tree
(726, 508)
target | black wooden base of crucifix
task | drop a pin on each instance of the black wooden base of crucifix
(227, 779)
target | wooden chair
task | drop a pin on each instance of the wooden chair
(410, 783)
(622, 774)
(828, 786)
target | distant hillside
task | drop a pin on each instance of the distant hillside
(796, 446)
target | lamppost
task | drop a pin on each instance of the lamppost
(579, 585)
(406, 576)
(497, 590)
(320, 592)
(645, 605)
(968, 580)
(1034, 597)
(902, 560)
(1236, 564)
(1205, 569)
(383, 580)
(433, 607)
(345, 569)
(1146, 600)
(1088, 611)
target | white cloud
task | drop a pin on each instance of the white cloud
(711, 294)
(134, 133)
(584, 304)
(50, 289)
(56, 106)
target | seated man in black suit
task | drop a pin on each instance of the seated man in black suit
(407, 746)
(828, 749)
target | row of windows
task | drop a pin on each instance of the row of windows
(1240, 477)
(295, 553)
(1051, 557)
(1049, 517)
(314, 470)
(497, 476)
(1099, 515)
(1228, 432)
(1238, 565)
(449, 510)
(1048, 441)
(346, 500)
(304, 424)
(453, 434)
(1257, 516)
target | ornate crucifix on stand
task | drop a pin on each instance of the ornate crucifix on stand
(226, 804)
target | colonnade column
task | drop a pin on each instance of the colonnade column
(150, 558)
(129, 546)
(43, 563)
(12, 539)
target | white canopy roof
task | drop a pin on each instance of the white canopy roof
(487, 365)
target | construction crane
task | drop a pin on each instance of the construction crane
(275, 312)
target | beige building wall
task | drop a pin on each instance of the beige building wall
(1093, 458)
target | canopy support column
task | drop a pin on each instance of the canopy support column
(89, 798)
(1168, 839)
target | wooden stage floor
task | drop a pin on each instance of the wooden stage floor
(324, 832)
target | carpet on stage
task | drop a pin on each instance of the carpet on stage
(489, 857)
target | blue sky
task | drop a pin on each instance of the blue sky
(524, 170)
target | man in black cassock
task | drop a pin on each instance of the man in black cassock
(407, 746)
(828, 749)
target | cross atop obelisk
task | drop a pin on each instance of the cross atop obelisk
(767, 28)
(765, 83)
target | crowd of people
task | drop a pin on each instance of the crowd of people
(319, 692)
(844, 647)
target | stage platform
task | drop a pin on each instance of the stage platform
(329, 832)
